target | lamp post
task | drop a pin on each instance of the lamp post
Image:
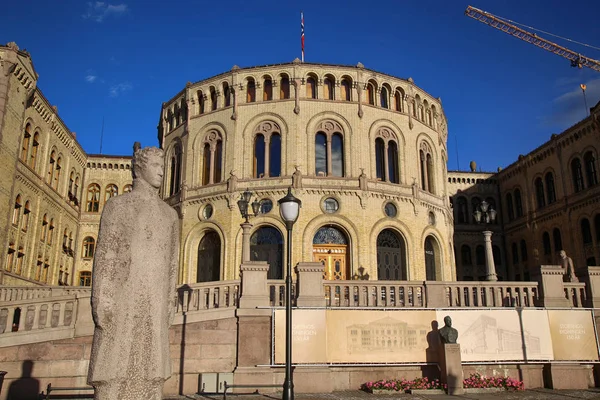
(243, 203)
(487, 215)
(289, 209)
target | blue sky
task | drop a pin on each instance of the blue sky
(120, 60)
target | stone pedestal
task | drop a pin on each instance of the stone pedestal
(255, 292)
(591, 277)
(451, 368)
(566, 376)
(310, 284)
(552, 292)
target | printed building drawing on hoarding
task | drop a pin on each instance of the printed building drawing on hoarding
(385, 335)
(485, 337)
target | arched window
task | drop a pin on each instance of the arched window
(523, 251)
(384, 97)
(266, 244)
(284, 87)
(496, 254)
(209, 258)
(89, 247)
(518, 203)
(267, 89)
(539, 193)
(346, 89)
(175, 176)
(550, 189)
(371, 89)
(386, 156)
(426, 167)
(267, 150)
(93, 198)
(391, 256)
(212, 158)
(479, 255)
(51, 167)
(586, 232)
(380, 158)
(226, 95)
(17, 211)
(20, 259)
(85, 278)
(461, 213)
(250, 91)
(328, 88)
(34, 150)
(311, 87)
(44, 229)
(26, 212)
(71, 183)
(515, 254)
(546, 243)
(465, 255)
(510, 207)
(57, 173)
(597, 227)
(398, 97)
(419, 108)
(475, 202)
(577, 175)
(590, 168)
(329, 149)
(127, 188)
(432, 259)
(201, 101)
(213, 99)
(557, 240)
(111, 190)
(51, 231)
(25, 143)
(10, 257)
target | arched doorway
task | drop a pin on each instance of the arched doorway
(330, 248)
(391, 256)
(266, 244)
(432, 259)
(209, 258)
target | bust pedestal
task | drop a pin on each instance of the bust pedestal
(451, 368)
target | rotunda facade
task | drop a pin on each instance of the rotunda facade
(365, 152)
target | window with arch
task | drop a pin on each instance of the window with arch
(208, 268)
(510, 210)
(398, 99)
(85, 278)
(51, 166)
(25, 143)
(71, 183)
(226, 94)
(44, 230)
(10, 257)
(57, 174)
(267, 89)
(371, 89)
(419, 108)
(427, 113)
(550, 189)
(201, 102)
(577, 175)
(50, 232)
(267, 150)
(346, 89)
(329, 88)
(93, 198)
(479, 255)
(523, 250)
(311, 87)
(586, 232)
(557, 240)
(89, 247)
(266, 244)
(518, 203)
(214, 102)
(177, 115)
(329, 149)
(465, 255)
(26, 212)
(515, 254)
(20, 259)
(384, 97)
(250, 90)
(432, 259)
(175, 170)
(111, 190)
(17, 211)
(386, 156)
(539, 193)
(546, 244)
(391, 256)
(284, 87)
(461, 210)
(34, 150)
(426, 167)
(212, 158)
(589, 161)
(127, 188)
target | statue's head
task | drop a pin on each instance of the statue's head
(149, 165)
(563, 254)
(448, 321)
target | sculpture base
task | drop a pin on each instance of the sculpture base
(451, 368)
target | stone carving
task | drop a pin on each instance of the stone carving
(567, 267)
(448, 334)
(297, 178)
(133, 287)
(362, 180)
(232, 182)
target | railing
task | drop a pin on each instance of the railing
(208, 295)
(491, 294)
(16, 293)
(41, 313)
(391, 294)
(277, 292)
(575, 293)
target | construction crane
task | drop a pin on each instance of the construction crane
(577, 60)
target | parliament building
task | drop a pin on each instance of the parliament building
(364, 151)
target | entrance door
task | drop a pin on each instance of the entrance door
(333, 257)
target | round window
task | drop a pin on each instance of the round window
(331, 205)
(391, 210)
(207, 212)
(266, 205)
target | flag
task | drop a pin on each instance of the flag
(302, 33)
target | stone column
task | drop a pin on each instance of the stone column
(550, 286)
(591, 277)
(310, 284)
(451, 368)
(490, 267)
(329, 156)
(246, 226)
(386, 173)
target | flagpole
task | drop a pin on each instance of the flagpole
(302, 32)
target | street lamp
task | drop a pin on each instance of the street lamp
(487, 215)
(289, 209)
(243, 203)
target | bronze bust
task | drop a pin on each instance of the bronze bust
(448, 334)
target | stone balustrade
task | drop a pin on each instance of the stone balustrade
(15, 293)
(208, 295)
(489, 294)
(360, 293)
(575, 294)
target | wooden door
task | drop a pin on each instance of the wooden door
(333, 257)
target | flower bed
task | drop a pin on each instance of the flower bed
(475, 381)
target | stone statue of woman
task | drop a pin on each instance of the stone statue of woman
(133, 287)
